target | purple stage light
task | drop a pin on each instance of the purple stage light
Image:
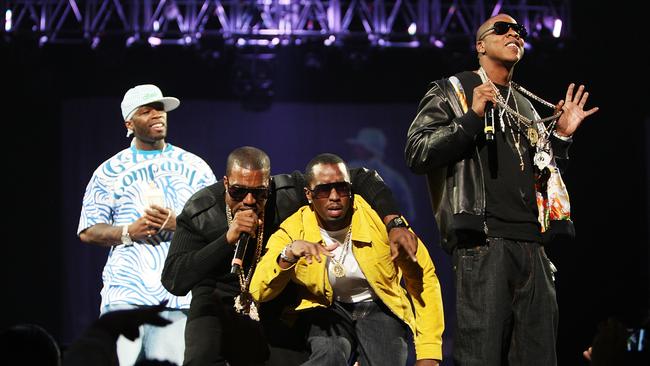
(8, 15)
(329, 41)
(130, 41)
(154, 41)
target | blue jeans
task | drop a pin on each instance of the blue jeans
(368, 329)
(505, 304)
(154, 343)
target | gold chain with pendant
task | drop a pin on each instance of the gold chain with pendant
(244, 303)
(337, 268)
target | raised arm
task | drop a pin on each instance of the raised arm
(369, 185)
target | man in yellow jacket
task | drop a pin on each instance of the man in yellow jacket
(337, 250)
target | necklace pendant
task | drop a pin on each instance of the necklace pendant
(338, 270)
(542, 159)
(533, 135)
(252, 313)
(243, 303)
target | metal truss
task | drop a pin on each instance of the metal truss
(396, 23)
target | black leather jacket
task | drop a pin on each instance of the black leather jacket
(440, 145)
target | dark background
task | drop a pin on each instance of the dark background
(62, 120)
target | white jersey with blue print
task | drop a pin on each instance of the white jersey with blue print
(117, 194)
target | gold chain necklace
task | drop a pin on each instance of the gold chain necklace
(338, 269)
(537, 133)
(244, 303)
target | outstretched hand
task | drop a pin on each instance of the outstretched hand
(127, 322)
(403, 243)
(573, 110)
(309, 251)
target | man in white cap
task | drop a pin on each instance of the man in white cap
(130, 205)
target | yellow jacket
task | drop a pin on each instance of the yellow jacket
(372, 252)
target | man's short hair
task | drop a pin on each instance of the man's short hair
(325, 158)
(250, 158)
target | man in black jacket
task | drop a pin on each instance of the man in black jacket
(498, 195)
(221, 323)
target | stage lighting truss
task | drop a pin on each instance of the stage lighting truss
(272, 23)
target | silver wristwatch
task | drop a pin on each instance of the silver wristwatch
(285, 257)
(126, 238)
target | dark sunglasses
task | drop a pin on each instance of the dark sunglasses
(500, 28)
(324, 190)
(239, 193)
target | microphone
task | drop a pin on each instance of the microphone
(240, 250)
(489, 121)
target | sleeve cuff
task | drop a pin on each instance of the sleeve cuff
(560, 145)
(563, 138)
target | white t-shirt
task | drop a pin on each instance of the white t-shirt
(353, 287)
(118, 194)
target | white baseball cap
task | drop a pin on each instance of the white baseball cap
(144, 94)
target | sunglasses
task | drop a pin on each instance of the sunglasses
(324, 190)
(239, 193)
(501, 28)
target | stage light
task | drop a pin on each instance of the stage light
(130, 41)
(8, 15)
(329, 41)
(412, 29)
(154, 41)
(94, 43)
(557, 28)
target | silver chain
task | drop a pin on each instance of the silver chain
(525, 120)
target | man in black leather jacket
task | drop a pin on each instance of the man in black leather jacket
(498, 195)
(200, 257)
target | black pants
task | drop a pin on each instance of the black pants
(216, 333)
(505, 303)
(220, 334)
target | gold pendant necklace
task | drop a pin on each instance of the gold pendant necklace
(533, 135)
(337, 268)
(244, 303)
